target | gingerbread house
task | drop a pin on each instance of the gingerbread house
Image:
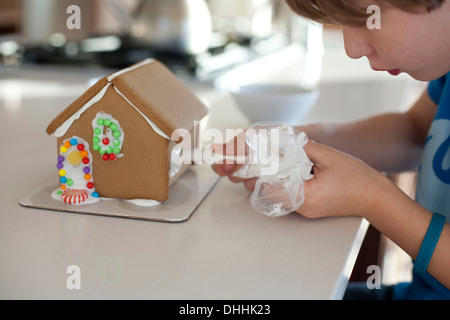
(115, 141)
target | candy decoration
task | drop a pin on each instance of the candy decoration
(75, 172)
(74, 196)
(74, 158)
(108, 137)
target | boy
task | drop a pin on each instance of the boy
(414, 38)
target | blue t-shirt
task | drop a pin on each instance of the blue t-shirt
(433, 185)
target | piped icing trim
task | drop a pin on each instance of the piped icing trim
(144, 202)
(62, 130)
(136, 66)
(150, 122)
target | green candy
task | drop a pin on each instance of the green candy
(107, 122)
(96, 140)
(116, 142)
(113, 127)
(117, 134)
(97, 131)
(100, 122)
(116, 150)
(70, 182)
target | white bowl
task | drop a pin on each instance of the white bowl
(287, 104)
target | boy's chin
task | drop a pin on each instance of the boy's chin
(426, 76)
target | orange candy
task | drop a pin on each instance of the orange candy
(67, 144)
(84, 153)
(87, 176)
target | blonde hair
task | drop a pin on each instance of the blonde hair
(346, 12)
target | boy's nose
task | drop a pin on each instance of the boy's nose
(356, 45)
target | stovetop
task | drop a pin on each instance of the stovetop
(128, 51)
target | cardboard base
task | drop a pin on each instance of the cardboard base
(186, 194)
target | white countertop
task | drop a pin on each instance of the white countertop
(224, 251)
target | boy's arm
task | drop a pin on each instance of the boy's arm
(405, 222)
(344, 185)
(390, 142)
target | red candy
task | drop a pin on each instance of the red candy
(90, 185)
(112, 157)
(85, 160)
(106, 157)
(80, 147)
(106, 141)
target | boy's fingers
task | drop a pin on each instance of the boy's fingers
(250, 184)
(223, 169)
(315, 152)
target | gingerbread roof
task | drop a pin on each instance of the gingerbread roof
(155, 92)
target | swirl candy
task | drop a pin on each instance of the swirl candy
(74, 196)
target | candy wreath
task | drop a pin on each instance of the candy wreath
(108, 137)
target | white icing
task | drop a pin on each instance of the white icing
(143, 202)
(175, 160)
(138, 202)
(138, 65)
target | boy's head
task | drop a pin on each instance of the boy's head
(413, 35)
(352, 12)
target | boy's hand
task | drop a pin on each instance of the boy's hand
(342, 185)
(228, 168)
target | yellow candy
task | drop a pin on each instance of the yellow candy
(75, 158)
(62, 173)
(63, 149)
